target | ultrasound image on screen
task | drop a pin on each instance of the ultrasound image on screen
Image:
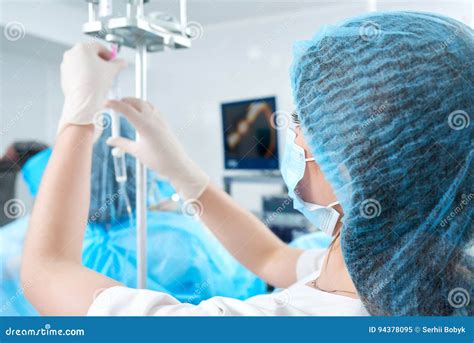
(250, 137)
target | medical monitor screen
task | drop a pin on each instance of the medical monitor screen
(250, 137)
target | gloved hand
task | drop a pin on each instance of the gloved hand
(86, 77)
(158, 148)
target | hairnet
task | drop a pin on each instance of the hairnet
(385, 102)
(106, 203)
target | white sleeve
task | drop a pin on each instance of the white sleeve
(124, 301)
(309, 262)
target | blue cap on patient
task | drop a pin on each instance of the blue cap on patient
(385, 101)
(33, 170)
(107, 206)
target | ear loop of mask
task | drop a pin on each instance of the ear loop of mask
(293, 128)
(311, 159)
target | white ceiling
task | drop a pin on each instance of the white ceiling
(203, 11)
(61, 21)
(208, 12)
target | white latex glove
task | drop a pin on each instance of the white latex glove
(86, 77)
(158, 148)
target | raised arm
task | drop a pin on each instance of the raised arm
(248, 239)
(52, 274)
(244, 236)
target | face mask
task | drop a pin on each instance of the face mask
(292, 170)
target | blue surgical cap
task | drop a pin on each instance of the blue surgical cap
(107, 205)
(385, 102)
(34, 168)
(107, 202)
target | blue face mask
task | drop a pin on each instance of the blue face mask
(292, 170)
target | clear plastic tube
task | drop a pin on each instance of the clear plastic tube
(118, 155)
(120, 167)
(128, 205)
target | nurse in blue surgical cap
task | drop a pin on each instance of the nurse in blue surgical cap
(380, 156)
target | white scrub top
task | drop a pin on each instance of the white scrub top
(297, 300)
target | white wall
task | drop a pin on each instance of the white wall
(241, 60)
(30, 94)
(231, 61)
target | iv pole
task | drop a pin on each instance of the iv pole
(141, 178)
(143, 34)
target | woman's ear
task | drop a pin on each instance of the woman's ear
(313, 187)
(301, 141)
